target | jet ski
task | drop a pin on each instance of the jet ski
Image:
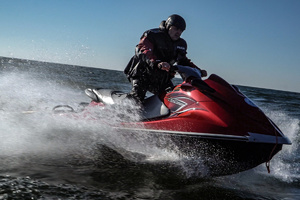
(210, 120)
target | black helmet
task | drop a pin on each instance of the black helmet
(175, 20)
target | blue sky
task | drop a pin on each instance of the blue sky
(247, 42)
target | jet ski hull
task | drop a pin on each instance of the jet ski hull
(225, 157)
(219, 154)
(210, 120)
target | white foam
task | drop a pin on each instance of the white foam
(285, 164)
(41, 133)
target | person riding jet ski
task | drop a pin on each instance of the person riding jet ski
(150, 68)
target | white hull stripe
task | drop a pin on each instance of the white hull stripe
(252, 137)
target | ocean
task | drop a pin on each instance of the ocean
(46, 156)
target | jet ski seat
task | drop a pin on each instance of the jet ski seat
(153, 107)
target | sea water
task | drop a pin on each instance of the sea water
(47, 156)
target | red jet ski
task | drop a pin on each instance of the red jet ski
(207, 119)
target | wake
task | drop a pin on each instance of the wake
(30, 132)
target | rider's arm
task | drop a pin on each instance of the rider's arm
(144, 51)
(188, 62)
(184, 60)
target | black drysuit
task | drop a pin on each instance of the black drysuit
(142, 70)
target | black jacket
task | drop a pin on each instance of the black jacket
(156, 46)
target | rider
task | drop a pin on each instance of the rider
(150, 68)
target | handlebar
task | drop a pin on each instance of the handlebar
(187, 72)
(194, 75)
